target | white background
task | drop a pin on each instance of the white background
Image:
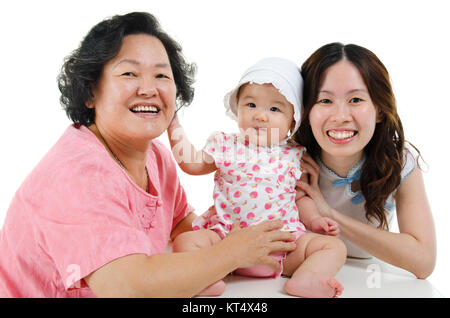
(223, 38)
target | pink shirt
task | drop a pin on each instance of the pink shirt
(79, 210)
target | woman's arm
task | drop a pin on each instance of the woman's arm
(186, 274)
(413, 249)
(188, 158)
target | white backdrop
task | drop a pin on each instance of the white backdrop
(223, 38)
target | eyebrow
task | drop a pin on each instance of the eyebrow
(274, 101)
(135, 62)
(349, 92)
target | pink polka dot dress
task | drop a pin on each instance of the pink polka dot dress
(252, 184)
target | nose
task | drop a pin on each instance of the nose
(341, 112)
(261, 116)
(147, 87)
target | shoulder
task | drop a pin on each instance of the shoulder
(410, 160)
(75, 155)
(294, 147)
(160, 150)
(220, 143)
(220, 137)
(410, 163)
(293, 144)
(76, 174)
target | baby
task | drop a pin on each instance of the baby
(256, 172)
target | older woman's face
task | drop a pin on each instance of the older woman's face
(135, 96)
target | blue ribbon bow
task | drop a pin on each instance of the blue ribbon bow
(344, 181)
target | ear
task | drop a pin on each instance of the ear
(380, 117)
(292, 125)
(90, 102)
(291, 128)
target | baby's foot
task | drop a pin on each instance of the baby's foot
(313, 285)
(215, 289)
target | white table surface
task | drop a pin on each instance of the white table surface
(361, 278)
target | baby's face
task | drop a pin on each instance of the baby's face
(264, 114)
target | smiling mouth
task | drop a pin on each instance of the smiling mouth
(145, 109)
(341, 135)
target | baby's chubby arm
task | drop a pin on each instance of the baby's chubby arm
(188, 158)
(310, 216)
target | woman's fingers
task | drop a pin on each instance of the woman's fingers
(312, 172)
(311, 167)
(270, 225)
(235, 226)
(282, 246)
(308, 159)
(306, 188)
(299, 194)
(272, 262)
(282, 236)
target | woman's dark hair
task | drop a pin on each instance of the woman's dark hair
(381, 170)
(82, 69)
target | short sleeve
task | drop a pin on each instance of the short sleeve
(410, 157)
(216, 146)
(172, 191)
(89, 222)
(295, 154)
(182, 208)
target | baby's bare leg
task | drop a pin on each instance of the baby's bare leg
(195, 240)
(313, 266)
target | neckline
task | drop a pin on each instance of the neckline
(357, 167)
(241, 139)
(151, 186)
(351, 172)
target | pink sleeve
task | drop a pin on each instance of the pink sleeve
(171, 188)
(296, 154)
(87, 222)
(182, 208)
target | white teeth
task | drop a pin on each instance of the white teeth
(341, 134)
(152, 109)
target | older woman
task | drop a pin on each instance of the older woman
(96, 214)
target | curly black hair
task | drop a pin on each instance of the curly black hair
(82, 69)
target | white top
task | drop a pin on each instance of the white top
(339, 195)
(252, 183)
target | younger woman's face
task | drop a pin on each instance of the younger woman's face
(344, 117)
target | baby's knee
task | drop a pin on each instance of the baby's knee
(325, 242)
(182, 242)
(192, 240)
(337, 244)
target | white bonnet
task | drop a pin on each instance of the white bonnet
(281, 73)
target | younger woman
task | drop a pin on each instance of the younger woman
(362, 172)
(255, 178)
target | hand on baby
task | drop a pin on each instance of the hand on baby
(325, 226)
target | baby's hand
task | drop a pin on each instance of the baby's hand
(325, 226)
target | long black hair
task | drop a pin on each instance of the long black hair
(381, 172)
